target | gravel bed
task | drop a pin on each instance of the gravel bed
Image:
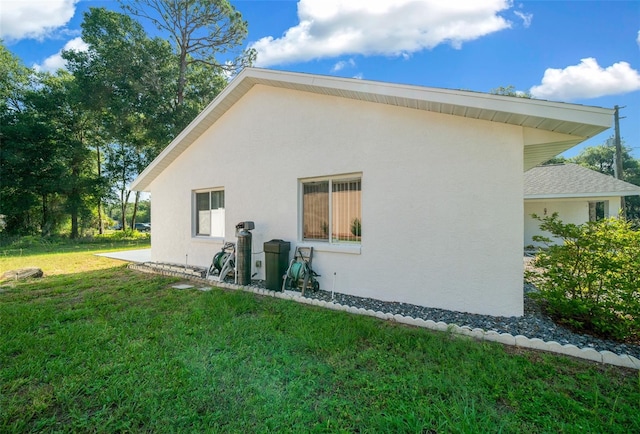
(533, 324)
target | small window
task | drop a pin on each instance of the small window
(332, 210)
(209, 213)
(598, 210)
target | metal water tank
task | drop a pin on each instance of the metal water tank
(243, 252)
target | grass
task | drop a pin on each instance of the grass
(112, 350)
(62, 256)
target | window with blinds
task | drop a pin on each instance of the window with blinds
(332, 210)
(209, 218)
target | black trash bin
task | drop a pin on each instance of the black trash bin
(276, 257)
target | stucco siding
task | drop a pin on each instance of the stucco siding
(574, 211)
(434, 231)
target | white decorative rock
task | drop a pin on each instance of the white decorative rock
(554, 347)
(381, 315)
(442, 326)
(491, 335)
(506, 338)
(430, 324)
(624, 360)
(419, 322)
(477, 333)
(454, 328)
(401, 319)
(464, 330)
(581, 353)
(533, 343)
(472, 333)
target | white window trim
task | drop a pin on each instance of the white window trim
(194, 216)
(329, 245)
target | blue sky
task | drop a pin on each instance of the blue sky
(583, 52)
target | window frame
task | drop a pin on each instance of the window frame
(328, 244)
(195, 213)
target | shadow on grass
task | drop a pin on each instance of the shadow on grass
(114, 350)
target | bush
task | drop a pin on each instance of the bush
(591, 281)
(126, 234)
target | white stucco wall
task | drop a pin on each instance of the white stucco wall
(570, 210)
(441, 196)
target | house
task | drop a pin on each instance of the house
(431, 177)
(576, 193)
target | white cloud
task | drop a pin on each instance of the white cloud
(55, 62)
(526, 18)
(34, 19)
(342, 64)
(331, 28)
(587, 80)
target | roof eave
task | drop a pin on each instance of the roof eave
(581, 121)
(580, 195)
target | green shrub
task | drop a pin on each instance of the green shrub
(126, 234)
(591, 281)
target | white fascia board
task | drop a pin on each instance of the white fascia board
(580, 195)
(389, 92)
(522, 106)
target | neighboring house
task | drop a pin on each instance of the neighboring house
(433, 176)
(576, 193)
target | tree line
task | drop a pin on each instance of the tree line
(73, 140)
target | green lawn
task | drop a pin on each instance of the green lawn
(112, 350)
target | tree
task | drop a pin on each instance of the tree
(120, 169)
(15, 79)
(45, 160)
(201, 31)
(125, 77)
(510, 91)
(72, 131)
(31, 171)
(555, 160)
(131, 81)
(32, 158)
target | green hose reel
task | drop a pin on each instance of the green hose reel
(220, 259)
(297, 271)
(300, 275)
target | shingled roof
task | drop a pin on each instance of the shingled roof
(571, 180)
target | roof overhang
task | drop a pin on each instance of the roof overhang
(569, 124)
(580, 195)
